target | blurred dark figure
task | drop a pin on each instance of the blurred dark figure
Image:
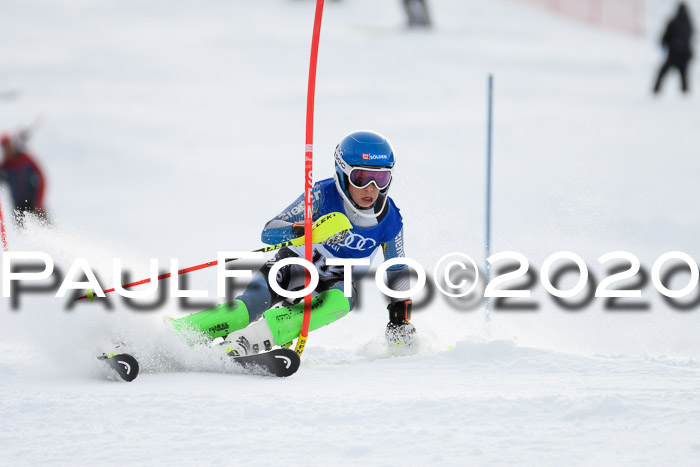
(677, 40)
(417, 11)
(24, 177)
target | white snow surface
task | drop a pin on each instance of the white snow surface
(174, 129)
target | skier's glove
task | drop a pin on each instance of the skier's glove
(298, 229)
(400, 331)
(400, 312)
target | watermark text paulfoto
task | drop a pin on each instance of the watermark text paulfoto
(455, 275)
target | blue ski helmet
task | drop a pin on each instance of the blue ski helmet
(364, 149)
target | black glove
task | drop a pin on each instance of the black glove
(400, 312)
(298, 229)
(400, 331)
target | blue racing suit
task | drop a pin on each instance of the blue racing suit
(362, 241)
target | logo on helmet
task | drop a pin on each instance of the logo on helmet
(339, 157)
(373, 157)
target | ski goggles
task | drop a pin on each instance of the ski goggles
(362, 177)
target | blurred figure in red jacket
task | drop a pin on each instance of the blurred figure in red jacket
(23, 176)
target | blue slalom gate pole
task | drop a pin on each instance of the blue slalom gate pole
(489, 135)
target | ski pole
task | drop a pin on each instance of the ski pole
(308, 166)
(330, 228)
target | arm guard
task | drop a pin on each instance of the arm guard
(281, 228)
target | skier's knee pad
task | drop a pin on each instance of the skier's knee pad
(326, 307)
(289, 277)
(217, 321)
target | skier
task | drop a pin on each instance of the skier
(677, 40)
(364, 162)
(24, 177)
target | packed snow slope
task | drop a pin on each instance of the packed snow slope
(176, 130)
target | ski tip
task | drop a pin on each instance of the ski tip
(290, 360)
(278, 362)
(90, 295)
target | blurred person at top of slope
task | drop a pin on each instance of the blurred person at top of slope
(24, 177)
(677, 40)
(417, 12)
(364, 164)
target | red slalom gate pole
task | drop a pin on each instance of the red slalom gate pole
(308, 172)
(3, 235)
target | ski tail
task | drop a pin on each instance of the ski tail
(126, 366)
